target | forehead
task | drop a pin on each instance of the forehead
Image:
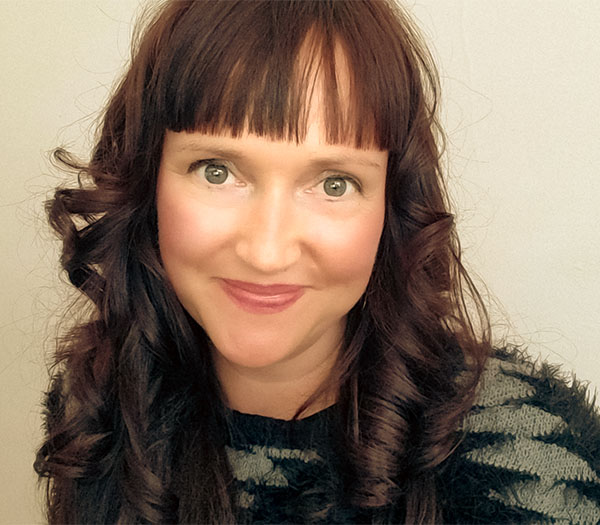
(320, 101)
(276, 68)
(250, 147)
(323, 76)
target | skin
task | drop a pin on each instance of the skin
(271, 222)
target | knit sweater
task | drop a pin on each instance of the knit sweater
(530, 454)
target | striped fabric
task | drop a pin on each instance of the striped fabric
(269, 467)
(535, 431)
(530, 454)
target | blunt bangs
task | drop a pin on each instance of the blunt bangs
(253, 66)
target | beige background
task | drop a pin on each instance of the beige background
(521, 104)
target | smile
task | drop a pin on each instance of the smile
(261, 299)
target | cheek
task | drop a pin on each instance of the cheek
(350, 248)
(186, 230)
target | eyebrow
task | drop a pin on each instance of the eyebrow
(231, 153)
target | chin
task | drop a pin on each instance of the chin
(250, 355)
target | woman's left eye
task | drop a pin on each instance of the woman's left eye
(338, 186)
(335, 186)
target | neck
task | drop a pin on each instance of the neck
(280, 389)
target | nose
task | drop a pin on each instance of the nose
(269, 239)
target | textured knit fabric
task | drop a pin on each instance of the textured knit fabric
(531, 451)
(283, 467)
(530, 454)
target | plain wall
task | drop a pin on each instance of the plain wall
(521, 107)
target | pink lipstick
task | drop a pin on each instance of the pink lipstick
(260, 298)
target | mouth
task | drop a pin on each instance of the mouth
(260, 298)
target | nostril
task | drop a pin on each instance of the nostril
(268, 255)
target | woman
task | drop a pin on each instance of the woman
(281, 329)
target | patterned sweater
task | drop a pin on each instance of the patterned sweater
(530, 454)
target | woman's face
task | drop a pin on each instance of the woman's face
(268, 244)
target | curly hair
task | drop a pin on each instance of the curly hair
(135, 419)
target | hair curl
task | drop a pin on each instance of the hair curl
(135, 422)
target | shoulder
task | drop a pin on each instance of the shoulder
(531, 448)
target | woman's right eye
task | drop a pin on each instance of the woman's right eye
(215, 173)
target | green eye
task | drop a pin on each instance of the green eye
(215, 173)
(335, 186)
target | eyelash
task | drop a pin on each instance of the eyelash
(347, 178)
(196, 165)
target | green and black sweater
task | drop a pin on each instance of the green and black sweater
(531, 454)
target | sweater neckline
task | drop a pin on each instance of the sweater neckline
(253, 429)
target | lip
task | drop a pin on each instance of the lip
(262, 298)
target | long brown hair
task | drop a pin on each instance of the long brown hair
(136, 427)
